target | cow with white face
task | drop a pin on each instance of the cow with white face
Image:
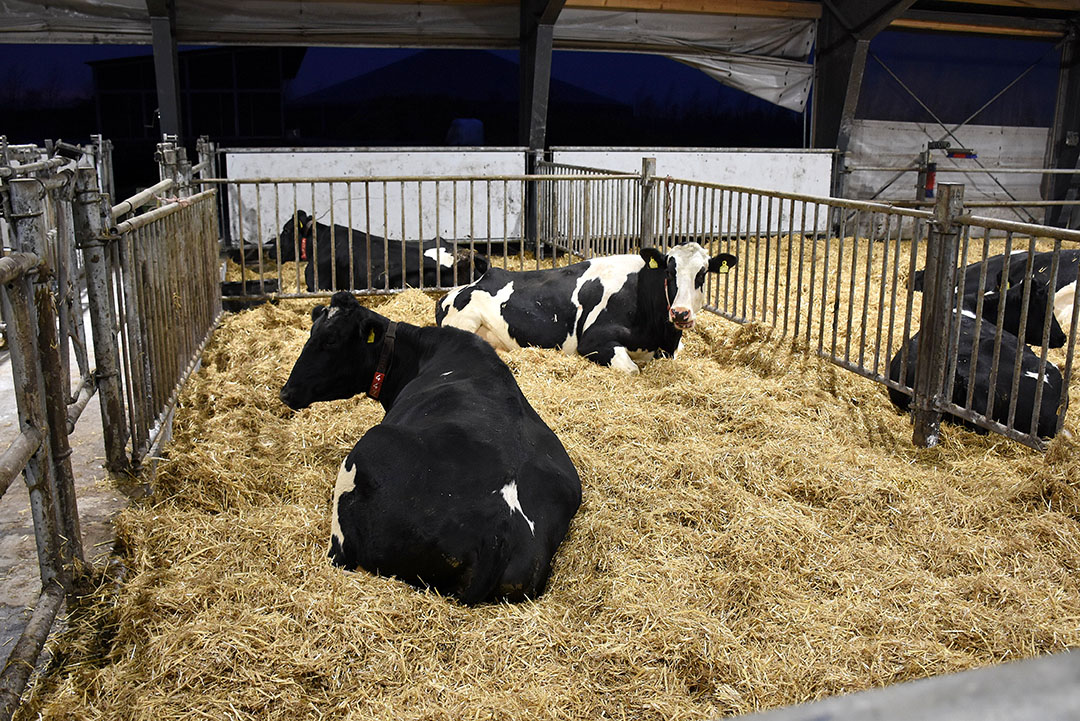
(619, 310)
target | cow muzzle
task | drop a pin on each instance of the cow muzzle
(288, 397)
(682, 318)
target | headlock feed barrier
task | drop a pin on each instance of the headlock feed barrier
(854, 282)
(151, 293)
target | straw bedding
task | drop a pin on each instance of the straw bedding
(756, 530)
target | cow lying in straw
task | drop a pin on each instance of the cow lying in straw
(461, 487)
(619, 310)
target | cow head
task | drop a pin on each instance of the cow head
(296, 231)
(684, 269)
(340, 355)
(1039, 304)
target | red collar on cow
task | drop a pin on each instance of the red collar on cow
(384, 362)
(303, 248)
(666, 299)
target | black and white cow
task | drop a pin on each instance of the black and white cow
(1015, 266)
(436, 260)
(619, 310)
(982, 350)
(461, 487)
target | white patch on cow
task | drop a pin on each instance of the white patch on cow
(612, 272)
(332, 312)
(346, 481)
(1063, 306)
(482, 316)
(510, 495)
(967, 313)
(442, 256)
(447, 373)
(689, 258)
(622, 361)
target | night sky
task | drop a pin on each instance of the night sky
(953, 74)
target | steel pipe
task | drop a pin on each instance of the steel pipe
(15, 457)
(141, 198)
(23, 657)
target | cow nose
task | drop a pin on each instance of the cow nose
(286, 396)
(680, 315)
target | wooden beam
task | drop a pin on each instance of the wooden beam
(1069, 6)
(972, 28)
(757, 8)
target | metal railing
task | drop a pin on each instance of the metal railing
(407, 219)
(41, 453)
(838, 277)
(166, 300)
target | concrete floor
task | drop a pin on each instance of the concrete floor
(98, 501)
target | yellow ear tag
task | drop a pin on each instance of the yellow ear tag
(653, 263)
(723, 267)
(371, 336)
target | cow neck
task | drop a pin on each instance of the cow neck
(386, 356)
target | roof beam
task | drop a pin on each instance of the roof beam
(844, 35)
(1063, 143)
(956, 22)
(166, 65)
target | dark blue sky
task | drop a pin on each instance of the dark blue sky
(953, 74)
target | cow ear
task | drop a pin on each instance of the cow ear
(653, 258)
(317, 312)
(370, 330)
(722, 263)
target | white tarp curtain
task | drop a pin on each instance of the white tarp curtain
(766, 57)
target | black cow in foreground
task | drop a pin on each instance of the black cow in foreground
(619, 310)
(461, 487)
(980, 351)
(1015, 268)
(304, 239)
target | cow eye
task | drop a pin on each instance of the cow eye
(699, 279)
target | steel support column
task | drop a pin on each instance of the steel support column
(166, 65)
(537, 30)
(844, 34)
(1063, 142)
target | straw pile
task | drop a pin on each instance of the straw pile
(756, 531)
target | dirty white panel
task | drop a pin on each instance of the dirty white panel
(887, 144)
(805, 172)
(429, 203)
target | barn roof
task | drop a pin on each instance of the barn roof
(760, 46)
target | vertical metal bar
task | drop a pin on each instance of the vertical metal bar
(813, 271)
(937, 294)
(352, 244)
(65, 509)
(870, 245)
(367, 229)
(648, 201)
(420, 239)
(29, 390)
(89, 209)
(825, 278)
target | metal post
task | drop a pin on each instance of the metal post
(167, 160)
(90, 208)
(30, 397)
(648, 202)
(27, 197)
(65, 508)
(939, 283)
(532, 200)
